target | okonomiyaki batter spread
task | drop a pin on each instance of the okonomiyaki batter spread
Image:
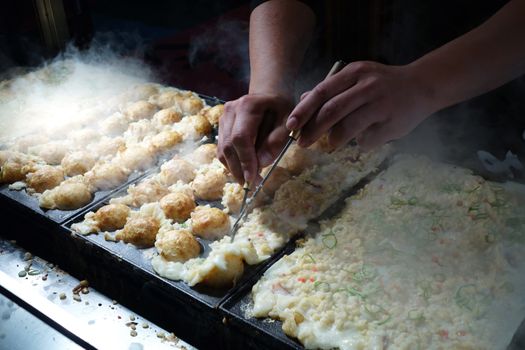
(427, 256)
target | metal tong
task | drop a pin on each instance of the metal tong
(293, 136)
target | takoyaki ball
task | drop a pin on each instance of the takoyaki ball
(200, 124)
(142, 91)
(209, 223)
(140, 110)
(107, 146)
(165, 99)
(176, 170)
(52, 152)
(279, 176)
(225, 275)
(67, 196)
(137, 131)
(78, 163)
(298, 159)
(208, 185)
(177, 206)
(23, 143)
(147, 191)
(44, 178)
(232, 196)
(16, 168)
(115, 124)
(167, 116)
(111, 217)
(165, 140)
(105, 176)
(137, 157)
(177, 245)
(83, 137)
(204, 154)
(140, 231)
(5, 156)
(213, 114)
(191, 105)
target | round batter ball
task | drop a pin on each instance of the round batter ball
(232, 196)
(111, 217)
(165, 99)
(165, 140)
(67, 196)
(78, 163)
(190, 105)
(209, 223)
(83, 137)
(140, 110)
(106, 176)
(137, 131)
(208, 185)
(204, 154)
(137, 157)
(167, 116)
(214, 113)
(219, 278)
(45, 178)
(52, 152)
(200, 124)
(107, 146)
(176, 170)
(115, 124)
(140, 231)
(177, 245)
(142, 91)
(177, 206)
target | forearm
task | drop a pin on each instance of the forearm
(280, 31)
(481, 60)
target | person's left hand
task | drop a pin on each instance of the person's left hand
(371, 102)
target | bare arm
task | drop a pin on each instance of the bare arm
(376, 103)
(252, 129)
(479, 61)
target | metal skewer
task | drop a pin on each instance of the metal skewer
(293, 136)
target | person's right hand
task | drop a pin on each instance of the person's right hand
(252, 131)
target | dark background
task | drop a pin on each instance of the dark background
(202, 46)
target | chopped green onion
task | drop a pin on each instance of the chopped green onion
(480, 216)
(355, 292)
(403, 189)
(397, 201)
(329, 240)
(310, 257)
(377, 311)
(321, 284)
(365, 273)
(415, 315)
(412, 201)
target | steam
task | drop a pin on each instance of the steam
(227, 44)
(64, 91)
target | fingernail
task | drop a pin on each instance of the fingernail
(247, 175)
(292, 123)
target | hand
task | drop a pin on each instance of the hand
(251, 133)
(371, 102)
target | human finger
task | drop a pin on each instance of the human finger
(335, 110)
(351, 126)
